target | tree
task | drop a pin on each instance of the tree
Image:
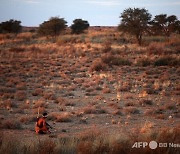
(11, 26)
(79, 26)
(163, 24)
(53, 27)
(135, 21)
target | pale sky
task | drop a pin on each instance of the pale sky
(96, 12)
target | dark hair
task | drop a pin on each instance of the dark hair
(44, 114)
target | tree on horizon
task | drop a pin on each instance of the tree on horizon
(53, 27)
(11, 26)
(166, 25)
(135, 22)
(79, 26)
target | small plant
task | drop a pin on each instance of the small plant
(49, 95)
(64, 117)
(107, 47)
(17, 49)
(131, 110)
(37, 92)
(20, 95)
(27, 119)
(21, 86)
(143, 62)
(89, 110)
(97, 65)
(170, 106)
(145, 102)
(115, 60)
(39, 103)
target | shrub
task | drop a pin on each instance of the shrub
(37, 92)
(143, 62)
(64, 117)
(11, 26)
(20, 95)
(170, 106)
(27, 119)
(167, 61)
(97, 65)
(131, 110)
(49, 95)
(107, 47)
(39, 103)
(17, 49)
(11, 124)
(89, 110)
(79, 26)
(115, 60)
(146, 102)
(53, 27)
(8, 104)
(65, 39)
(21, 86)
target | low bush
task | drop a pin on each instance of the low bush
(37, 92)
(115, 60)
(144, 62)
(98, 65)
(145, 102)
(17, 49)
(70, 39)
(131, 110)
(167, 61)
(20, 95)
(11, 124)
(64, 117)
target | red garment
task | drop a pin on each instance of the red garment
(41, 126)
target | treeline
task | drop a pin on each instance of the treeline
(53, 27)
(136, 21)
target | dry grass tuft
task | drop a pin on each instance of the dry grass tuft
(97, 65)
(20, 95)
(131, 110)
(11, 124)
(64, 117)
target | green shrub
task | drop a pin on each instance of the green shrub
(53, 27)
(79, 26)
(11, 26)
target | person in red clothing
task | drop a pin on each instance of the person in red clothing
(42, 127)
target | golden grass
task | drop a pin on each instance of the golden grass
(93, 141)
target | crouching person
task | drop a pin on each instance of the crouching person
(42, 127)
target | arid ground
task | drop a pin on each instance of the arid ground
(101, 91)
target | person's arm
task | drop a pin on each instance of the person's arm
(48, 125)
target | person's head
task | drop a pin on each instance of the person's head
(44, 115)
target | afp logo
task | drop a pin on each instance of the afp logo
(152, 145)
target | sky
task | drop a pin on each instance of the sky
(96, 12)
